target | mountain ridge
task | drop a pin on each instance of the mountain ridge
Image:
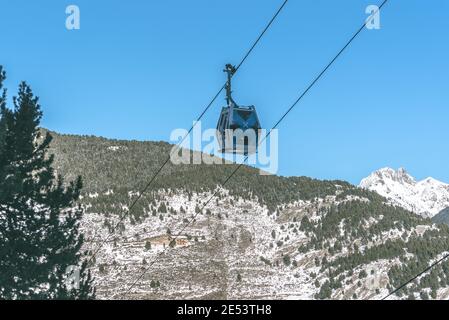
(426, 197)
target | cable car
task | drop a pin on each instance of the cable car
(238, 127)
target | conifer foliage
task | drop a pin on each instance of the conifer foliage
(40, 241)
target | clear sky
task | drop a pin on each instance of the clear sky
(138, 69)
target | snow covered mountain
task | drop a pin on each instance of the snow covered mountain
(426, 197)
(262, 237)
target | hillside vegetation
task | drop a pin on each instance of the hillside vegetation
(125, 166)
(323, 239)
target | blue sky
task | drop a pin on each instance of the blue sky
(139, 69)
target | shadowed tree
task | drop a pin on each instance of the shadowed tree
(40, 241)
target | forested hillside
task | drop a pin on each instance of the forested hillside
(442, 217)
(263, 236)
(126, 166)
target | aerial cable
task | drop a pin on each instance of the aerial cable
(174, 150)
(314, 81)
(416, 276)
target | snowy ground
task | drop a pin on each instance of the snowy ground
(235, 252)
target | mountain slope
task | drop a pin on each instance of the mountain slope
(427, 197)
(261, 237)
(442, 217)
(128, 165)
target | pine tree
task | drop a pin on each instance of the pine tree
(286, 260)
(325, 291)
(5, 122)
(40, 240)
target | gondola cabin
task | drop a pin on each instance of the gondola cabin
(238, 126)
